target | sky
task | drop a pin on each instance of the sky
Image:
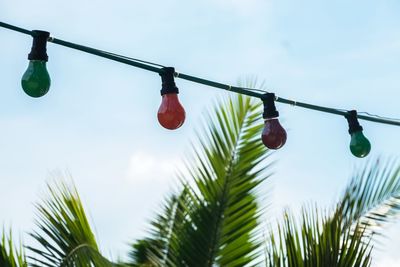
(98, 122)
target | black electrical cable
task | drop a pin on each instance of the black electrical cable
(154, 67)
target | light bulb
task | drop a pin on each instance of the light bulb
(274, 135)
(359, 145)
(36, 79)
(171, 114)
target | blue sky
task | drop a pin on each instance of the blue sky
(98, 122)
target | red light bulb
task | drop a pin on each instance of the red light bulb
(274, 135)
(171, 114)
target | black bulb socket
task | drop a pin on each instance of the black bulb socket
(354, 125)
(270, 111)
(168, 82)
(38, 51)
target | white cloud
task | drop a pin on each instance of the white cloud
(145, 166)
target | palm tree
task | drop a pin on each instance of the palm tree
(215, 218)
(344, 237)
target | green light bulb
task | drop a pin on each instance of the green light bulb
(359, 145)
(36, 79)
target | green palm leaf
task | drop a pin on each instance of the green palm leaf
(9, 256)
(371, 200)
(65, 236)
(373, 195)
(228, 173)
(216, 222)
(160, 249)
(318, 241)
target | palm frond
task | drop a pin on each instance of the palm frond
(373, 195)
(158, 250)
(318, 241)
(65, 237)
(216, 223)
(9, 255)
(139, 256)
(229, 171)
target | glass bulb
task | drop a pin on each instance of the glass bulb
(171, 114)
(359, 145)
(273, 135)
(36, 79)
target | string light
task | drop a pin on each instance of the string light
(273, 136)
(36, 80)
(171, 114)
(359, 144)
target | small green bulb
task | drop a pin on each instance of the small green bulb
(36, 79)
(359, 145)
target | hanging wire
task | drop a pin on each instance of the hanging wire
(134, 59)
(255, 90)
(377, 116)
(155, 67)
